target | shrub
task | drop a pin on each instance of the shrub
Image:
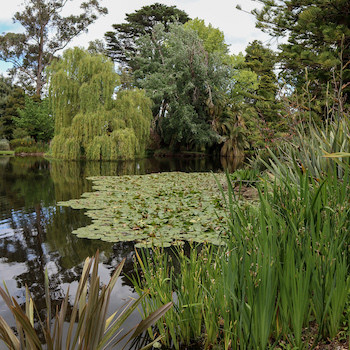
(4, 145)
(22, 142)
(28, 145)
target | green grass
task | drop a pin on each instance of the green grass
(283, 269)
(7, 153)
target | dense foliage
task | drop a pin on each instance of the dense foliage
(184, 82)
(318, 39)
(89, 121)
(203, 98)
(6, 89)
(14, 103)
(36, 119)
(121, 43)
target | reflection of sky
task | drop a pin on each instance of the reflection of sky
(5, 229)
(58, 251)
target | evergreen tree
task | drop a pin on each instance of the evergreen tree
(6, 89)
(89, 122)
(46, 31)
(36, 119)
(121, 43)
(14, 103)
(261, 60)
(213, 38)
(318, 34)
(185, 83)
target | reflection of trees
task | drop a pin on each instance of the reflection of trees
(40, 232)
(24, 184)
(232, 163)
(73, 250)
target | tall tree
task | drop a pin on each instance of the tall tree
(6, 89)
(318, 33)
(89, 122)
(213, 38)
(46, 31)
(185, 83)
(36, 119)
(14, 103)
(121, 43)
(262, 60)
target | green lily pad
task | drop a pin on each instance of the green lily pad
(155, 209)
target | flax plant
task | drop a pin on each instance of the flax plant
(88, 325)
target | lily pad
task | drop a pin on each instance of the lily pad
(155, 209)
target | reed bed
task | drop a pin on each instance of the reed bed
(281, 278)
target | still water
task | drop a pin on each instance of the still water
(35, 233)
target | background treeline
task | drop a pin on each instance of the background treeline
(174, 85)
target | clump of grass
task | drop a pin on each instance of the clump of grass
(191, 288)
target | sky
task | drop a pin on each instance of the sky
(237, 26)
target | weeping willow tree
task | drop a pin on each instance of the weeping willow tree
(91, 120)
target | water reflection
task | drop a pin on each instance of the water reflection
(35, 234)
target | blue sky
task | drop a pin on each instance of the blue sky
(7, 25)
(238, 27)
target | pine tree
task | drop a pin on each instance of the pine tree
(262, 60)
(318, 40)
(14, 103)
(6, 88)
(121, 43)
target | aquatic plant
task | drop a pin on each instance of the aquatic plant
(155, 209)
(280, 278)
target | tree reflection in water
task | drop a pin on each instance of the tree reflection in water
(35, 234)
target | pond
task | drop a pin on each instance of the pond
(36, 234)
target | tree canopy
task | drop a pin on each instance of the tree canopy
(14, 103)
(262, 60)
(46, 31)
(6, 89)
(121, 43)
(213, 38)
(184, 82)
(92, 121)
(318, 39)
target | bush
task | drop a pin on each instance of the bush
(22, 142)
(28, 145)
(4, 145)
